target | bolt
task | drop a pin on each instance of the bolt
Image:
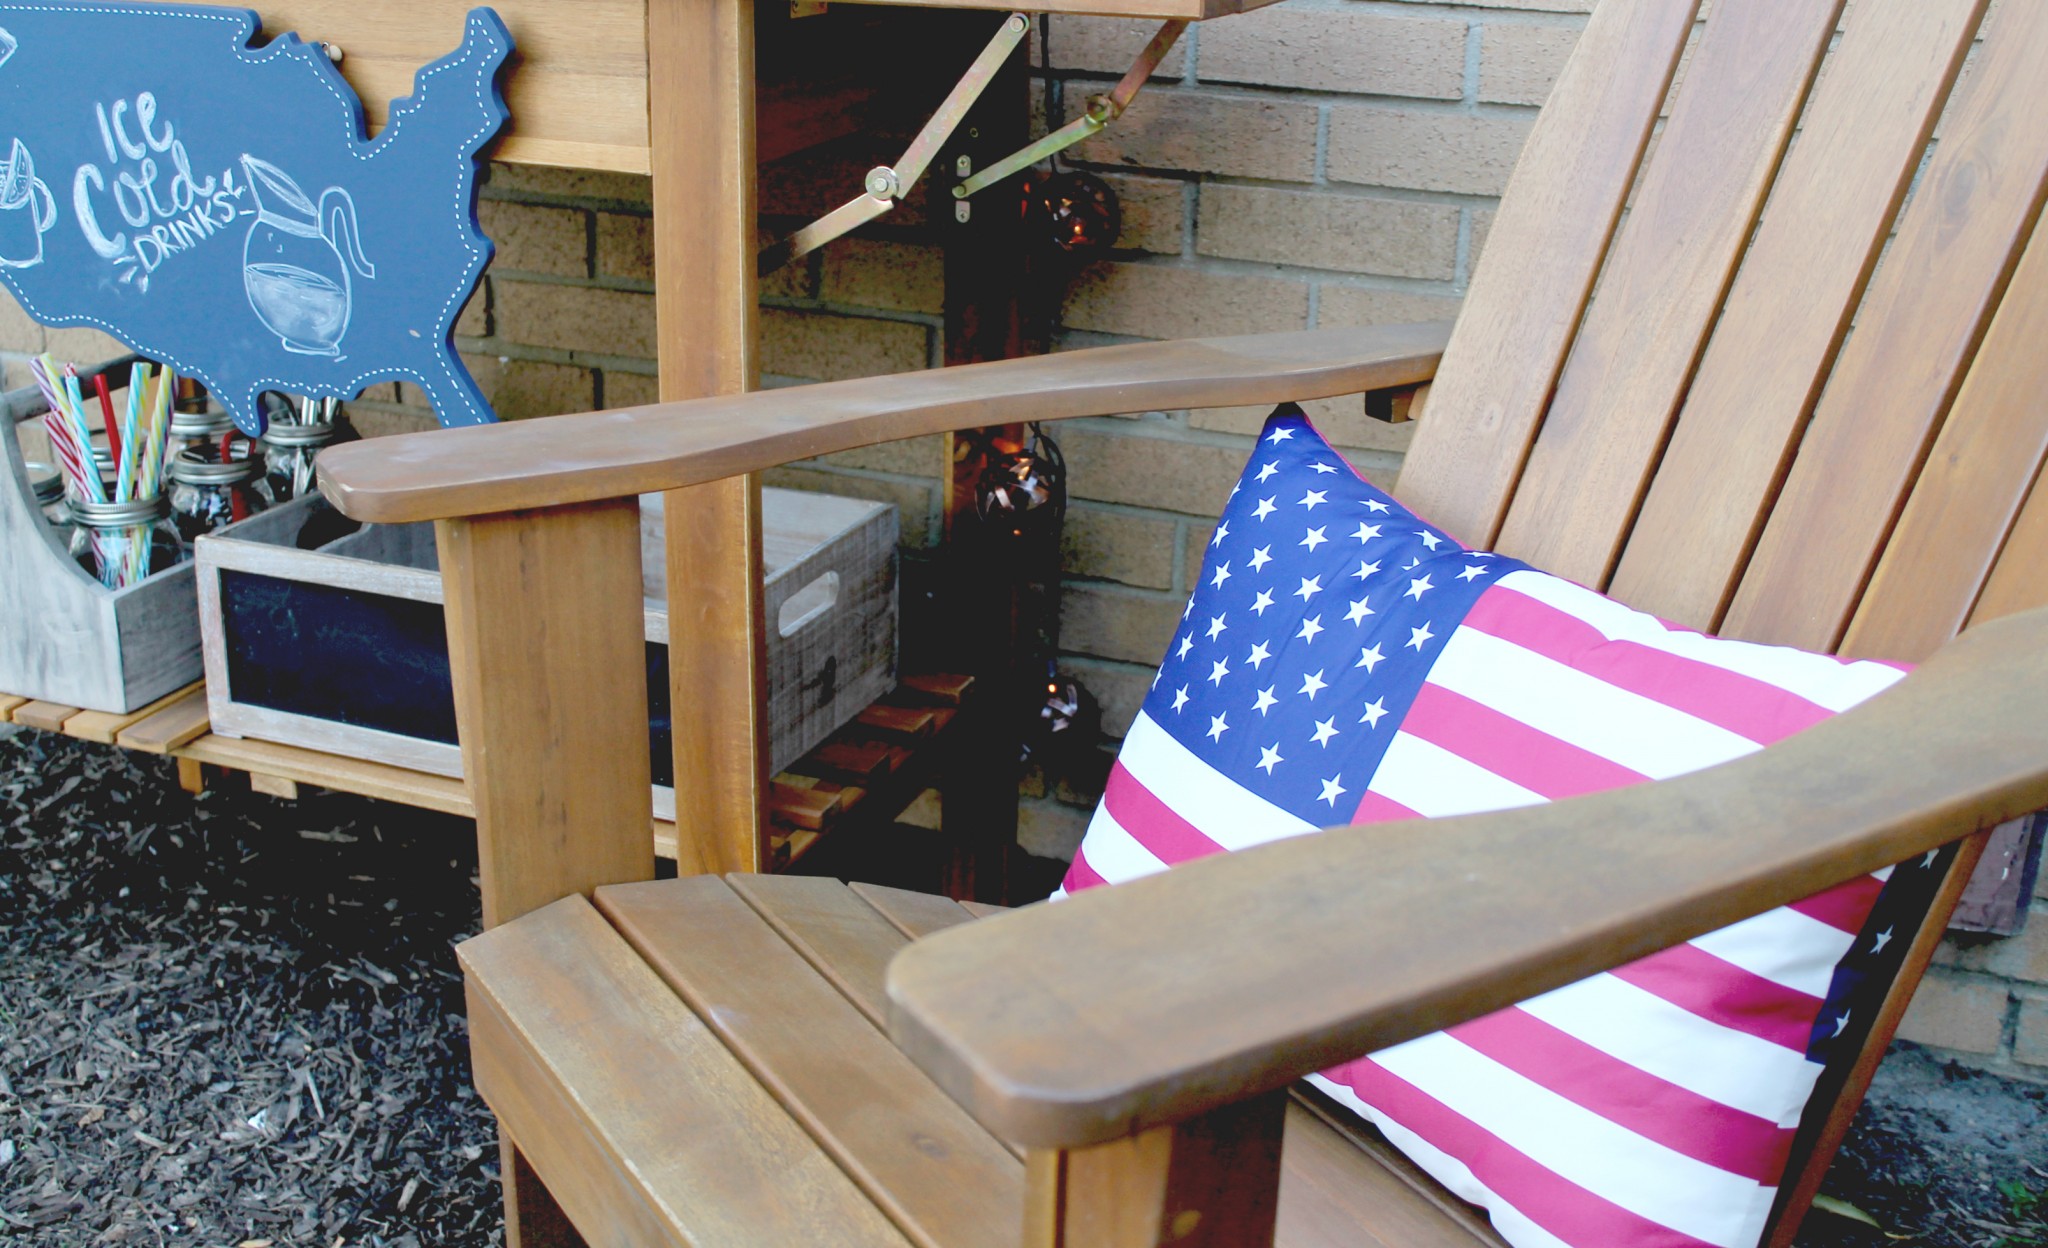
(962, 210)
(881, 182)
(1016, 23)
(963, 166)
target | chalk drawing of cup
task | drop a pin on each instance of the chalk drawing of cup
(27, 210)
(6, 44)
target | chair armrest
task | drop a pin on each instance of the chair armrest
(664, 446)
(1144, 1004)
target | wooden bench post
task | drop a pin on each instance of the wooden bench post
(1212, 1181)
(547, 644)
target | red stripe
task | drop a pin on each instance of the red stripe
(1080, 875)
(1845, 906)
(1721, 992)
(1556, 1204)
(1678, 1118)
(1751, 708)
(1378, 808)
(1509, 748)
(1151, 822)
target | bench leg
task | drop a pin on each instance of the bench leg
(532, 1218)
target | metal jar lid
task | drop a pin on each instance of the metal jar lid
(209, 425)
(48, 485)
(120, 515)
(316, 434)
(196, 467)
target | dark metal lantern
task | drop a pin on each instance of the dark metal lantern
(1075, 212)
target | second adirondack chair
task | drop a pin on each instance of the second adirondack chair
(1759, 372)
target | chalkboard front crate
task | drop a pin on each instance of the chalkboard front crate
(343, 648)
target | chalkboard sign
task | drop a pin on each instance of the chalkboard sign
(218, 206)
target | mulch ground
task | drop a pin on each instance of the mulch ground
(237, 1021)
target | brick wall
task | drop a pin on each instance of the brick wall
(1316, 163)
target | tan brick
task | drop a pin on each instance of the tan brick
(474, 321)
(1342, 420)
(1172, 301)
(1105, 45)
(876, 274)
(1120, 691)
(1118, 546)
(518, 389)
(1956, 1014)
(1241, 136)
(1365, 306)
(1482, 225)
(1050, 829)
(624, 389)
(1464, 153)
(579, 183)
(1327, 230)
(1164, 474)
(380, 422)
(81, 344)
(574, 318)
(1113, 623)
(1154, 212)
(1337, 50)
(910, 457)
(823, 347)
(1195, 551)
(1518, 63)
(2030, 1042)
(2022, 957)
(18, 330)
(537, 239)
(913, 503)
(625, 246)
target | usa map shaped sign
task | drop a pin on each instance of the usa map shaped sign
(218, 206)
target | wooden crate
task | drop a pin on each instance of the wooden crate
(68, 640)
(343, 648)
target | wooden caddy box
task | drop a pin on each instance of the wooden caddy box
(69, 639)
(343, 648)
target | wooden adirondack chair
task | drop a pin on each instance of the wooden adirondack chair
(1683, 376)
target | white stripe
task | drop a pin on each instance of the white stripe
(1115, 854)
(1638, 1174)
(1226, 812)
(1431, 780)
(1818, 678)
(1638, 732)
(1513, 1225)
(1649, 1033)
(1784, 946)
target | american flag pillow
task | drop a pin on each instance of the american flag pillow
(1342, 661)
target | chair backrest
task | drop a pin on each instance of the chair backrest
(1755, 346)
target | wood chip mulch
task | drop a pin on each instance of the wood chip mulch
(231, 1020)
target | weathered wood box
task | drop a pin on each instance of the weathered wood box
(343, 648)
(64, 637)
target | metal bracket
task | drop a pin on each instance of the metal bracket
(886, 185)
(1102, 109)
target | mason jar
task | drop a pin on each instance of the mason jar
(207, 494)
(288, 454)
(48, 485)
(190, 429)
(121, 543)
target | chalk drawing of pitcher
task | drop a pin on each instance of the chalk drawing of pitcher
(293, 267)
(27, 211)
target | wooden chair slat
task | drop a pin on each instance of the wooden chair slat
(182, 721)
(570, 1030)
(914, 914)
(845, 938)
(1915, 333)
(1671, 262)
(942, 1178)
(1339, 1180)
(1983, 464)
(48, 716)
(1861, 139)
(1543, 253)
(2019, 580)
